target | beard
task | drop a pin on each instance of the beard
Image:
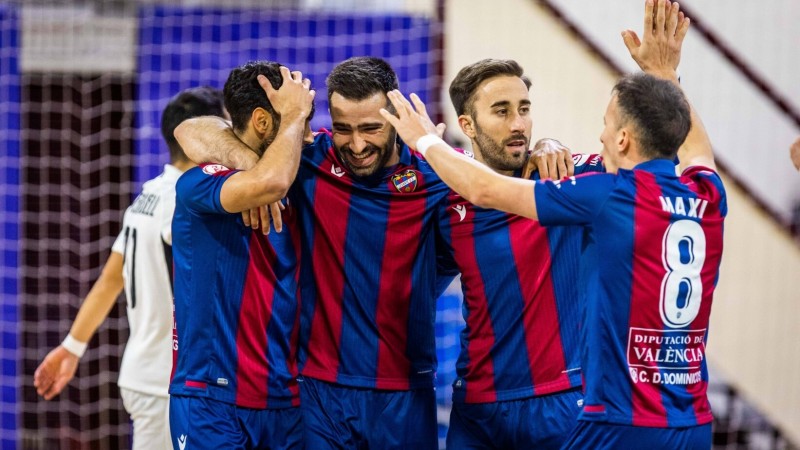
(495, 155)
(384, 153)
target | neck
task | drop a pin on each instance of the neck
(250, 139)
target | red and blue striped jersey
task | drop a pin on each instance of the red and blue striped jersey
(369, 274)
(236, 300)
(521, 300)
(652, 262)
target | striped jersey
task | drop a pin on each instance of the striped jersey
(521, 308)
(370, 283)
(236, 300)
(145, 244)
(655, 244)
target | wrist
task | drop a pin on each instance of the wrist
(74, 346)
(425, 142)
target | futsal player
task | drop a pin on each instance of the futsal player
(518, 382)
(236, 302)
(654, 245)
(141, 263)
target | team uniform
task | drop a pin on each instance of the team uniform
(145, 244)
(237, 318)
(655, 244)
(367, 349)
(518, 374)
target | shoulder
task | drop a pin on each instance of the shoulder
(587, 163)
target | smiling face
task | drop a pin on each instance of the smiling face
(364, 140)
(500, 123)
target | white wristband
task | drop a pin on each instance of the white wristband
(426, 141)
(74, 346)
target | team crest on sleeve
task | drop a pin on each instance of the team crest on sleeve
(405, 181)
(212, 169)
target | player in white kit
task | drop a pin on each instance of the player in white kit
(141, 263)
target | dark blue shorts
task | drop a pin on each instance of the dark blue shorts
(341, 417)
(600, 435)
(538, 422)
(202, 423)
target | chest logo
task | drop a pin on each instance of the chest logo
(405, 181)
(338, 171)
(461, 210)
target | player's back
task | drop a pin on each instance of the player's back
(368, 304)
(145, 242)
(656, 250)
(236, 300)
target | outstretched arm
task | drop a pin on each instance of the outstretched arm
(59, 366)
(659, 53)
(474, 181)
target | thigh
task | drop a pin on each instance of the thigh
(202, 423)
(272, 429)
(402, 420)
(150, 430)
(472, 426)
(546, 422)
(327, 416)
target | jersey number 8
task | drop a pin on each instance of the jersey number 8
(683, 253)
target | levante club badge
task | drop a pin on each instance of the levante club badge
(405, 181)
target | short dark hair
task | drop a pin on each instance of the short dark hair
(658, 110)
(193, 102)
(361, 77)
(243, 94)
(463, 87)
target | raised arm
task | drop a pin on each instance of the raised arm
(211, 139)
(659, 53)
(269, 180)
(474, 181)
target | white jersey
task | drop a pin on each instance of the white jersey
(146, 245)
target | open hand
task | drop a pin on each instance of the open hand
(55, 371)
(659, 51)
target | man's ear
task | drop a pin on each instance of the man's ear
(262, 121)
(467, 125)
(623, 140)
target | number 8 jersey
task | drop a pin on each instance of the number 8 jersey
(651, 263)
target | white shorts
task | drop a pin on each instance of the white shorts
(149, 414)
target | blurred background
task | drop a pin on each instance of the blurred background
(82, 85)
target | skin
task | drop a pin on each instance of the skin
(500, 123)
(364, 140)
(657, 54)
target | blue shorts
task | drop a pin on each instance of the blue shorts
(600, 435)
(203, 423)
(341, 417)
(537, 422)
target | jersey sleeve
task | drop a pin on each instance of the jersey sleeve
(710, 183)
(167, 211)
(119, 243)
(199, 188)
(573, 200)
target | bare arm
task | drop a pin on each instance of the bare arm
(659, 53)
(211, 139)
(270, 179)
(59, 366)
(473, 180)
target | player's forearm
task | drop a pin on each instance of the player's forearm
(211, 139)
(100, 300)
(271, 178)
(479, 184)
